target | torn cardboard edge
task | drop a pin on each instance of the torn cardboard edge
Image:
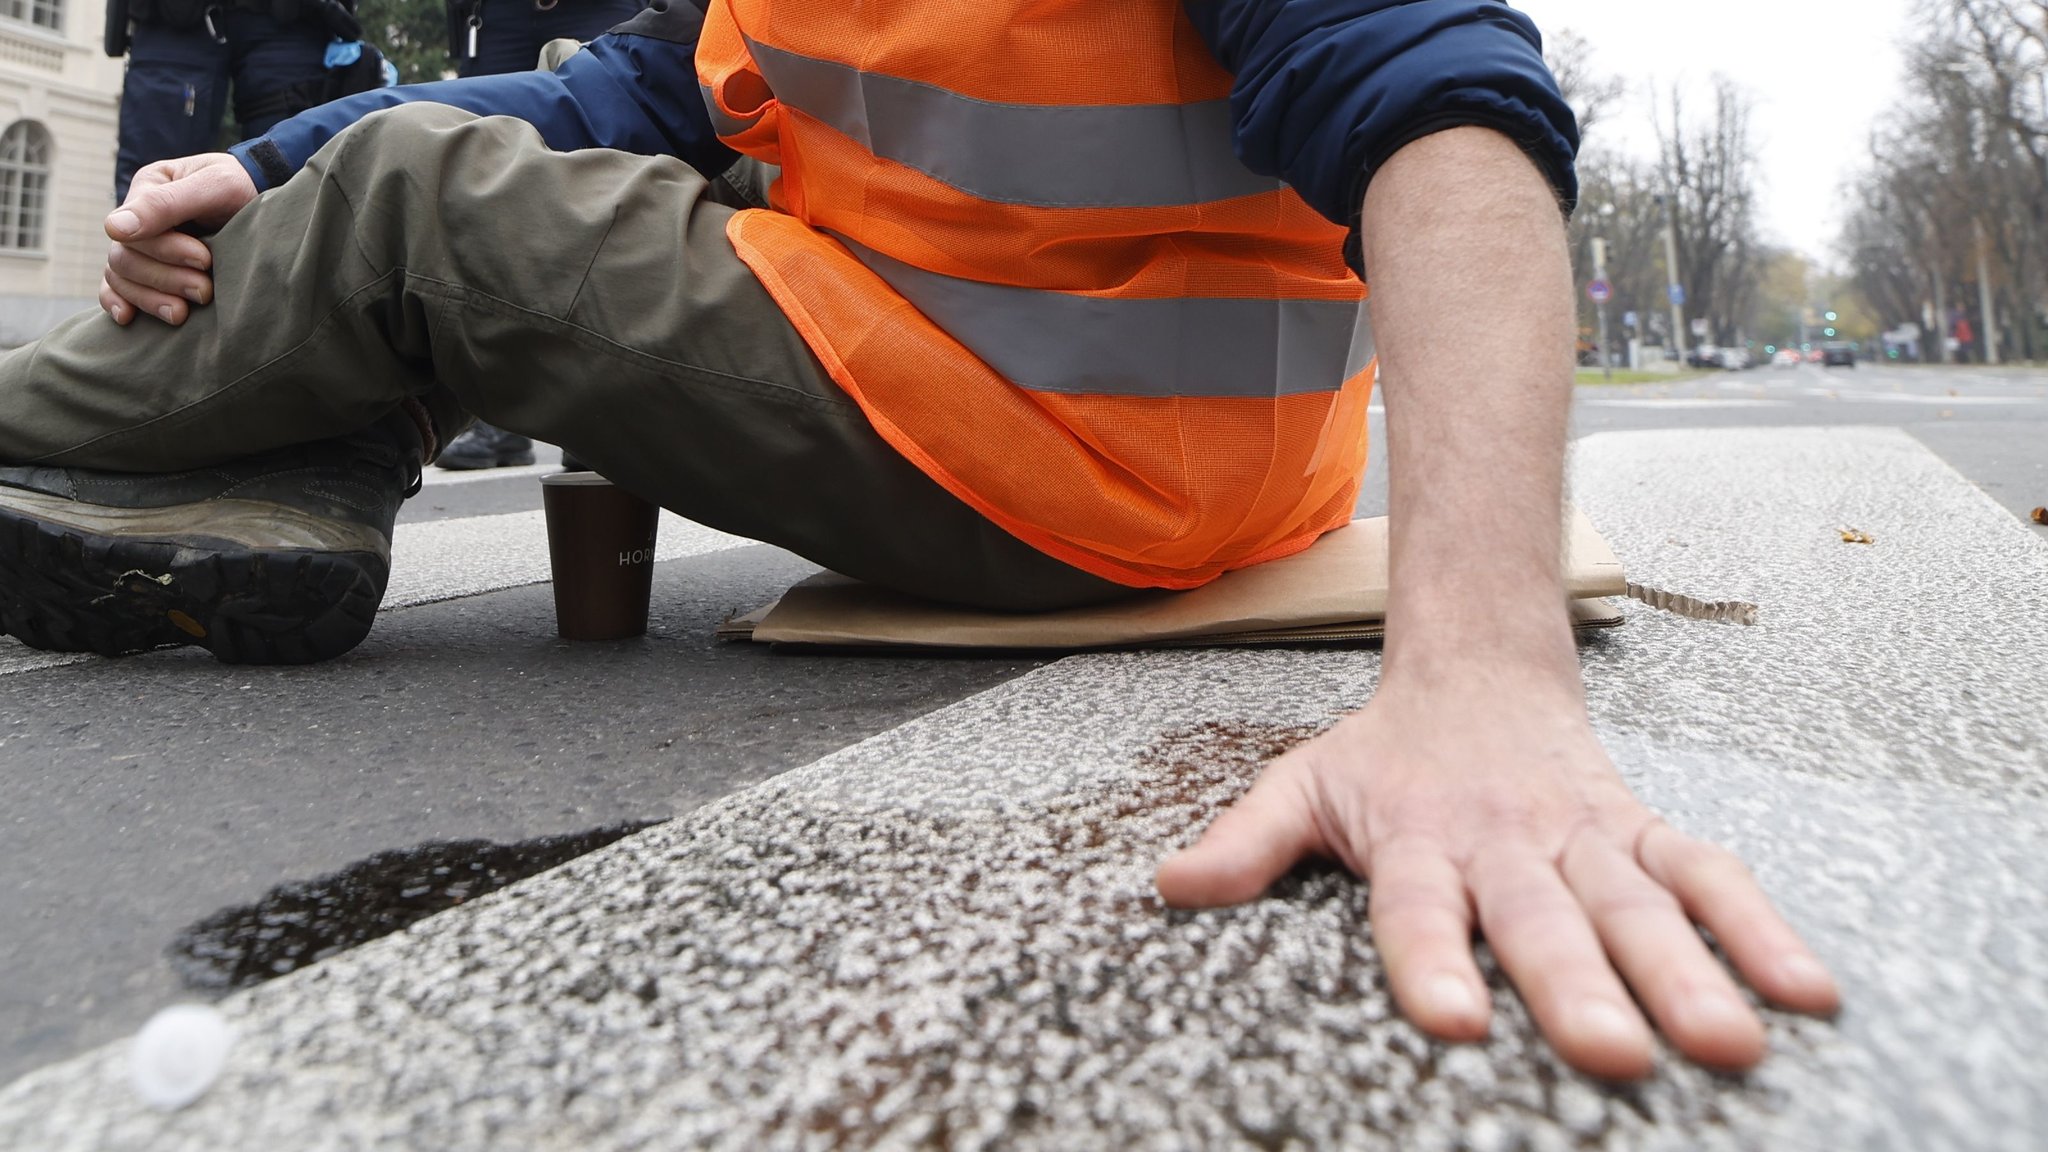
(1334, 592)
(1692, 608)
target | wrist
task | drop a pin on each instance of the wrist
(1525, 651)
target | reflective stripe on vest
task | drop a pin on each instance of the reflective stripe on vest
(1111, 156)
(1112, 346)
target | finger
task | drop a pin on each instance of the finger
(1544, 943)
(1661, 955)
(1718, 891)
(156, 206)
(170, 279)
(1422, 924)
(168, 309)
(1253, 843)
(175, 248)
(121, 311)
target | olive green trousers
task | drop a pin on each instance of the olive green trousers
(589, 299)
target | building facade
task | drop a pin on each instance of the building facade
(58, 97)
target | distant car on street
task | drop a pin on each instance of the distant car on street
(1735, 359)
(1838, 355)
(1704, 356)
(1787, 358)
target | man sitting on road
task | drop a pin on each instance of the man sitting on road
(1051, 301)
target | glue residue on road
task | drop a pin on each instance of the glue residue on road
(298, 923)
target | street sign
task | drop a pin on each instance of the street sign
(1678, 295)
(1628, 319)
(1600, 291)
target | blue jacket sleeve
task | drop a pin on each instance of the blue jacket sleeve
(1327, 90)
(633, 89)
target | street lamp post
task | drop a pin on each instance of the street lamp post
(1600, 304)
(1673, 291)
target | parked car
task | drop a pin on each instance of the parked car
(1735, 359)
(1704, 356)
(1838, 355)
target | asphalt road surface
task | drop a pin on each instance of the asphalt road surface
(1884, 734)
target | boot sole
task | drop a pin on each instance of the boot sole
(78, 578)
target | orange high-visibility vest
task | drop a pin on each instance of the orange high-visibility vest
(1017, 235)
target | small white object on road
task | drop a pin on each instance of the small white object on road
(178, 1055)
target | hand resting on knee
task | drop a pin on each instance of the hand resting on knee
(152, 266)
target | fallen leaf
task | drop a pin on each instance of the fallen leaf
(1854, 536)
(2040, 515)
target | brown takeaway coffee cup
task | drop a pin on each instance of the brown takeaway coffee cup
(601, 546)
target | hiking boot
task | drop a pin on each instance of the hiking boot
(484, 446)
(276, 559)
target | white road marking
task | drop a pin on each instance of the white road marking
(442, 477)
(1919, 398)
(440, 560)
(15, 658)
(448, 559)
(1676, 403)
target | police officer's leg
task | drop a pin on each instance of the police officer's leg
(589, 298)
(280, 68)
(172, 98)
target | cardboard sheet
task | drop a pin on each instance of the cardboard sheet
(1334, 592)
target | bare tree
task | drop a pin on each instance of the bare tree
(1618, 203)
(1955, 203)
(1591, 93)
(1710, 169)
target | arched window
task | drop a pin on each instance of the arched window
(24, 185)
(41, 13)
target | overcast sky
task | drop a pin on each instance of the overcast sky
(1821, 70)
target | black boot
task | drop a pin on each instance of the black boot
(484, 446)
(276, 559)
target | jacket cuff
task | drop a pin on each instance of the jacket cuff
(264, 161)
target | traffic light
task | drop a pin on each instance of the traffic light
(1829, 332)
(1831, 318)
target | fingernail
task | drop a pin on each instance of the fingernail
(125, 222)
(196, 296)
(1449, 996)
(1601, 1022)
(1710, 1013)
(166, 312)
(1805, 973)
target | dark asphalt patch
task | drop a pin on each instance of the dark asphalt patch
(306, 921)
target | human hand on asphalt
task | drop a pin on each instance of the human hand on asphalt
(1477, 801)
(154, 268)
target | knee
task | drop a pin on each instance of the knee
(420, 141)
(411, 126)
